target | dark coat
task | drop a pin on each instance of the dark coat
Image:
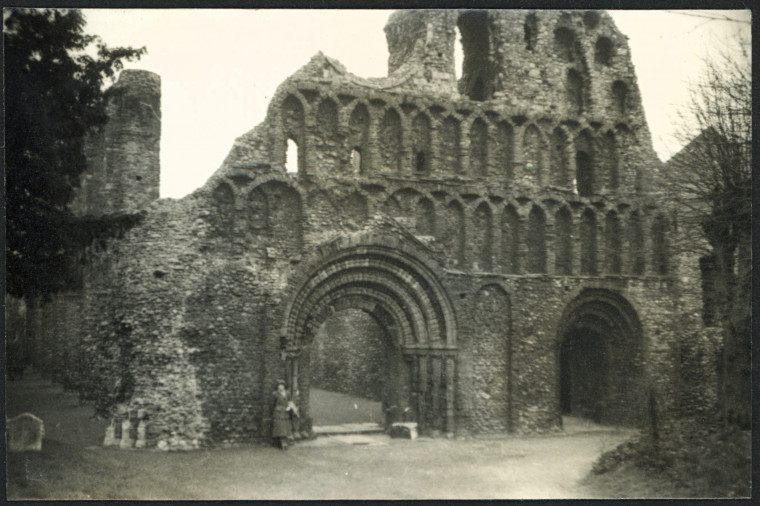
(281, 415)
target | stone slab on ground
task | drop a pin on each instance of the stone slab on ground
(348, 428)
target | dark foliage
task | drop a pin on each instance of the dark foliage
(711, 180)
(55, 77)
(698, 458)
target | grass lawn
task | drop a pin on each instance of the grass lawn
(332, 408)
(73, 465)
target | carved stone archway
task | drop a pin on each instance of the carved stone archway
(402, 293)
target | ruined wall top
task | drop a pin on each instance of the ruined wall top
(545, 98)
(512, 55)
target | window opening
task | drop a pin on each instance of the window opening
(291, 157)
(603, 51)
(476, 49)
(356, 160)
(420, 161)
(584, 174)
(565, 44)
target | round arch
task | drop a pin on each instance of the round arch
(398, 289)
(600, 357)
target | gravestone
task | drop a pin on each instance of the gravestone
(25, 433)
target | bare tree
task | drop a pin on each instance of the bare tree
(711, 180)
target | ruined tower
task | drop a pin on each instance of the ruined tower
(123, 170)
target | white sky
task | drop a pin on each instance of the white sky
(220, 68)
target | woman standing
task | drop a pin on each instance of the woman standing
(281, 430)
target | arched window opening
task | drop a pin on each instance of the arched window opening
(450, 136)
(584, 178)
(620, 97)
(481, 238)
(584, 164)
(292, 115)
(224, 217)
(565, 44)
(531, 31)
(505, 150)
(613, 244)
(559, 161)
(476, 49)
(510, 241)
(356, 160)
(591, 19)
(588, 242)
(636, 244)
(533, 153)
(291, 157)
(610, 157)
(563, 244)
(659, 246)
(359, 135)
(576, 91)
(421, 142)
(479, 148)
(258, 211)
(390, 140)
(603, 51)
(536, 239)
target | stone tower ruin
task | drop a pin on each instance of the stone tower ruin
(487, 253)
(123, 169)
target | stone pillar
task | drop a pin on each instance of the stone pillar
(450, 395)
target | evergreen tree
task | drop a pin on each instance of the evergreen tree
(55, 77)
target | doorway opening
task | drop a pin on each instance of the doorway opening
(601, 361)
(584, 371)
(356, 371)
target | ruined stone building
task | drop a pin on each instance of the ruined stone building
(488, 252)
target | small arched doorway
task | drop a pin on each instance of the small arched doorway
(601, 360)
(412, 332)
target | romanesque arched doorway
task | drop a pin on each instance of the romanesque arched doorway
(601, 359)
(402, 295)
(355, 365)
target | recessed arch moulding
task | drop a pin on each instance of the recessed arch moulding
(452, 213)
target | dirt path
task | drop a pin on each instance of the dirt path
(339, 467)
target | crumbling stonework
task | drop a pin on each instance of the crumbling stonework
(501, 231)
